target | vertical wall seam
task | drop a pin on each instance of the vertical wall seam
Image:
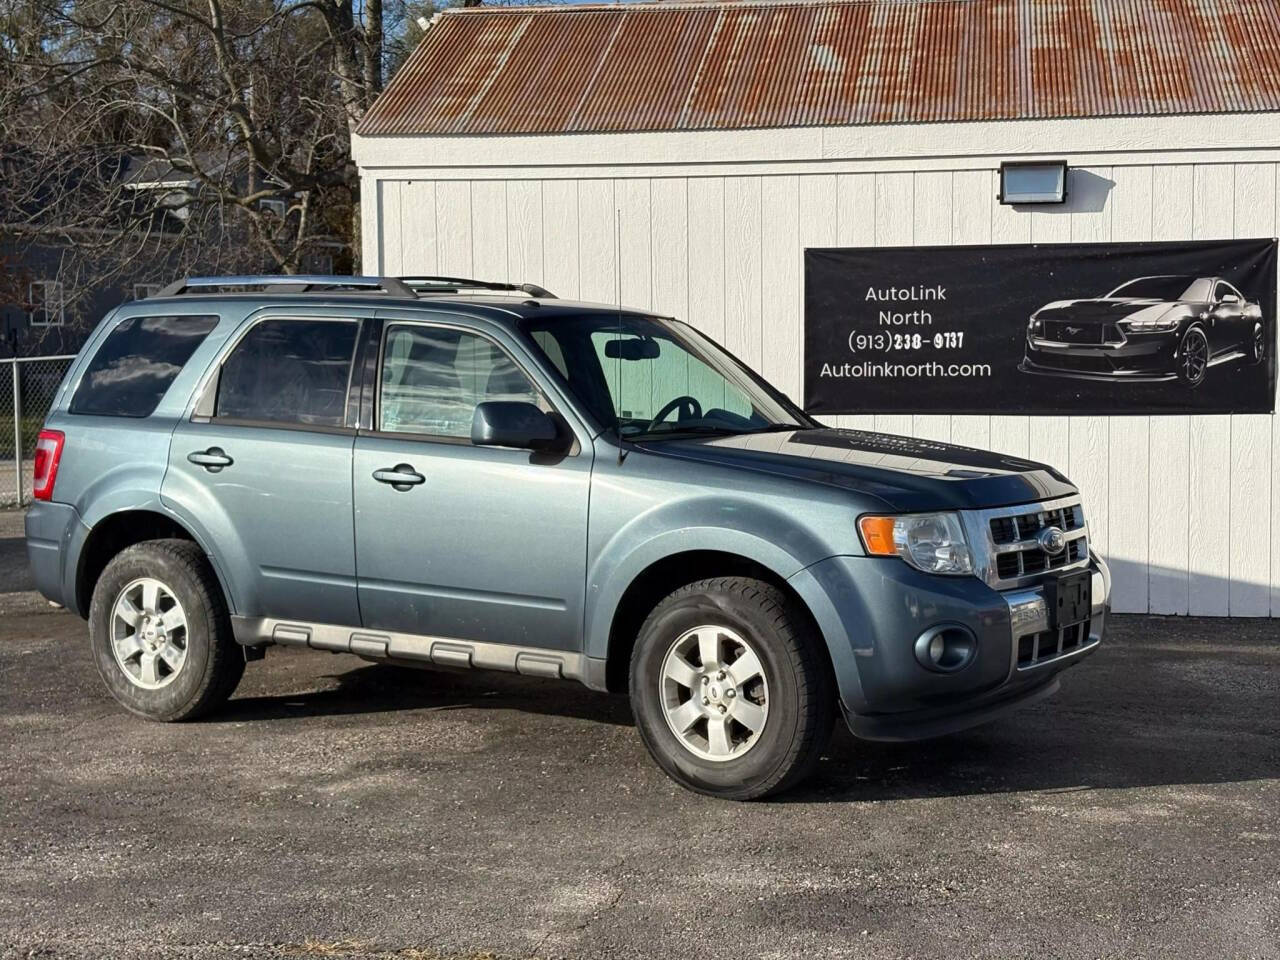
(378, 195)
(1231, 439)
(798, 261)
(471, 218)
(724, 264)
(400, 192)
(1151, 232)
(435, 219)
(1147, 553)
(759, 248)
(1195, 233)
(506, 223)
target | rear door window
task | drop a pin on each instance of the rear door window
(289, 371)
(137, 363)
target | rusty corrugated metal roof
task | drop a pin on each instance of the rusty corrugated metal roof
(764, 63)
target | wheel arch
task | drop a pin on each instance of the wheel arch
(1192, 322)
(667, 574)
(113, 532)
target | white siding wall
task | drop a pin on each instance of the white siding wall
(1182, 506)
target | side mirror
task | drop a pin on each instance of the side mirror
(513, 423)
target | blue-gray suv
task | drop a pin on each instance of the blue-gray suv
(473, 474)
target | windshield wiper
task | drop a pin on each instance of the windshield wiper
(699, 430)
(778, 428)
(709, 430)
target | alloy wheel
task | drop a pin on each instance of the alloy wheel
(1195, 356)
(148, 633)
(715, 697)
(1259, 343)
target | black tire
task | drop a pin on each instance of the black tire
(213, 663)
(1194, 339)
(801, 697)
(1257, 345)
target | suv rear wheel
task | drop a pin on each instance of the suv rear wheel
(731, 692)
(161, 634)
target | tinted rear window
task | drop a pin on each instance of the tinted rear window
(136, 364)
(289, 371)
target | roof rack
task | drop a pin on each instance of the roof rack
(291, 283)
(426, 284)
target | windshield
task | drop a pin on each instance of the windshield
(647, 377)
(1160, 288)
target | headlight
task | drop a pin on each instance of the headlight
(932, 542)
(1163, 322)
(1034, 325)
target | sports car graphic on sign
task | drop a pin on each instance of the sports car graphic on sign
(1147, 329)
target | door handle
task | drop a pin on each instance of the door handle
(213, 459)
(402, 476)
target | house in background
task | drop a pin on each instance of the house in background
(49, 301)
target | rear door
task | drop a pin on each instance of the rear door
(483, 544)
(264, 467)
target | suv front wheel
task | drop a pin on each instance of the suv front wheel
(730, 688)
(161, 634)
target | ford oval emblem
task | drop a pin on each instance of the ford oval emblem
(1052, 540)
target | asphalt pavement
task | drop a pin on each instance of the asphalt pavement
(338, 808)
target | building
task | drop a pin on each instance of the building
(55, 288)
(683, 156)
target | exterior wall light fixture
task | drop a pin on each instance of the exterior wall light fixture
(1040, 181)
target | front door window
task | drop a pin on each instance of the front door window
(433, 378)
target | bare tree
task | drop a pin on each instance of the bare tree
(153, 135)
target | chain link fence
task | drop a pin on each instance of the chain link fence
(27, 389)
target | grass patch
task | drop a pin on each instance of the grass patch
(30, 427)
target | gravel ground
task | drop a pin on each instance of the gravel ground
(337, 808)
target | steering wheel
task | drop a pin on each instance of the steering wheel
(690, 409)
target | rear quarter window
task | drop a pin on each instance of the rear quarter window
(136, 363)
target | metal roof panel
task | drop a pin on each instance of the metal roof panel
(789, 63)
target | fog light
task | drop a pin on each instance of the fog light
(946, 648)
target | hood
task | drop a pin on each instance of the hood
(905, 473)
(1100, 310)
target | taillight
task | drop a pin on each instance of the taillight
(48, 453)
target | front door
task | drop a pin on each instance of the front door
(1229, 330)
(267, 472)
(483, 544)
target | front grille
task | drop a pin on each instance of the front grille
(1026, 563)
(1065, 332)
(1037, 648)
(1030, 559)
(1024, 526)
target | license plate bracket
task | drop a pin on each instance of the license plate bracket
(1068, 598)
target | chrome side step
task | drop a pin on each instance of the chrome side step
(414, 648)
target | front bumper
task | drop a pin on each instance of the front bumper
(1142, 357)
(871, 610)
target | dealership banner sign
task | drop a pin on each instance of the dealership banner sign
(1093, 328)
